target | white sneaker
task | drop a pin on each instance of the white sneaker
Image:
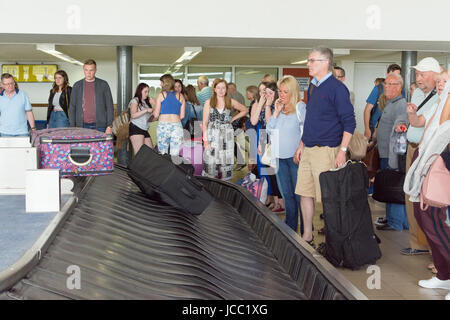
(447, 297)
(435, 283)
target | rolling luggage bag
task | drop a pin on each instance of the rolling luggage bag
(350, 239)
(74, 151)
(159, 178)
(193, 152)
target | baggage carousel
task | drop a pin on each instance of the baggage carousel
(127, 246)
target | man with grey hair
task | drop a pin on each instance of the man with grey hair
(395, 108)
(15, 109)
(328, 127)
(234, 94)
(205, 91)
(422, 107)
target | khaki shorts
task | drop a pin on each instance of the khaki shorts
(313, 162)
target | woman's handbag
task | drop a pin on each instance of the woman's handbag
(435, 190)
(267, 156)
(357, 147)
(372, 160)
(388, 187)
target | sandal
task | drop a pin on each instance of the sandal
(430, 266)
(311, 243)
(434, 270)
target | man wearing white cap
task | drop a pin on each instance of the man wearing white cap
(420, 110)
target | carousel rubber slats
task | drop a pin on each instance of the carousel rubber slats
(130, 247)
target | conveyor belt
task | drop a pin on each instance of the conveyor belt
(130, 247)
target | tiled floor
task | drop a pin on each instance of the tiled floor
(399, 273)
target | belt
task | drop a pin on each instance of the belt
(414, 145)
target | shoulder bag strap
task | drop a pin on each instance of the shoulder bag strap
(427, 99)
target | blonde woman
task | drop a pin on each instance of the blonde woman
(218, 133)
(169, 110)
(285, 130)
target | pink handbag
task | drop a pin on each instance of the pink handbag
(436, 186)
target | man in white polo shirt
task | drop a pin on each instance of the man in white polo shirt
(15, 109)
(420, 110)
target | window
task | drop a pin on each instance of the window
(248, 76)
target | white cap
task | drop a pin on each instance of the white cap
(428, 64)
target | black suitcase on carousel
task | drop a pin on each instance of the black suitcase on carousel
(159, 178)
(350, 240)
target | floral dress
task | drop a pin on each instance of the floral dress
(218, 161)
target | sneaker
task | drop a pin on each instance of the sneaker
(381, 221)
(321, 249)
(278, 210)
(413, 252)
(384, 227)
(435, 283)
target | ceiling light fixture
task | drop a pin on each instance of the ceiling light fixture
(186, 57)
(49, 48)
(300, 62)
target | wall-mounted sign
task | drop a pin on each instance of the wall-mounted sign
(303, 82)
(31, 72)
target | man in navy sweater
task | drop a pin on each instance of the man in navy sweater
(329, 125)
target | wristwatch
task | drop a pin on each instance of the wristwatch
(344, 149)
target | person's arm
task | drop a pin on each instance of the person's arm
(205, 124)
(50, 107)
(256, 110)
(157, 109)
(445, 115)
(72, 106)
(367, 111)
(134, 110)
(346, 115)
(109, 109)
(30, 118)
(414, 119)
(239, 107)
(183, 108)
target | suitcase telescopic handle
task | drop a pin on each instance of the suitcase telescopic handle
(80, 156)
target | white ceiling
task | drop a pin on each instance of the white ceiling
(215, 51)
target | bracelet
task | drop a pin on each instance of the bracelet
(33, 128)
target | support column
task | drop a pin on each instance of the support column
(124, 93)
(409, 59)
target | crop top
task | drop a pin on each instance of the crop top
(170, 105)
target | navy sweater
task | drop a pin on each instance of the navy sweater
(329, 113)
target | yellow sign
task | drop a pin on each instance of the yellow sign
(31, 72)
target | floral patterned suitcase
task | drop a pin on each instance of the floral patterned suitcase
(75, 151)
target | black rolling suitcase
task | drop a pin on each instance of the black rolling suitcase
(159, 178)
(350, 240)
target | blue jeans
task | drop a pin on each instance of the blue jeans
(12, 135)
(395, 212)
(58, 119)
(287, 180)
(93, 126)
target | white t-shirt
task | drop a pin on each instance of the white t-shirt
(414, 134)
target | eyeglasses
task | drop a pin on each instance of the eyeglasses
(314, 60)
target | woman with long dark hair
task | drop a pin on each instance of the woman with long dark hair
(140, 111)
(59, 101)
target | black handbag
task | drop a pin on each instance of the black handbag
(190, 124)
(388, 186)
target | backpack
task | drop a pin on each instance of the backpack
(121, 127)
